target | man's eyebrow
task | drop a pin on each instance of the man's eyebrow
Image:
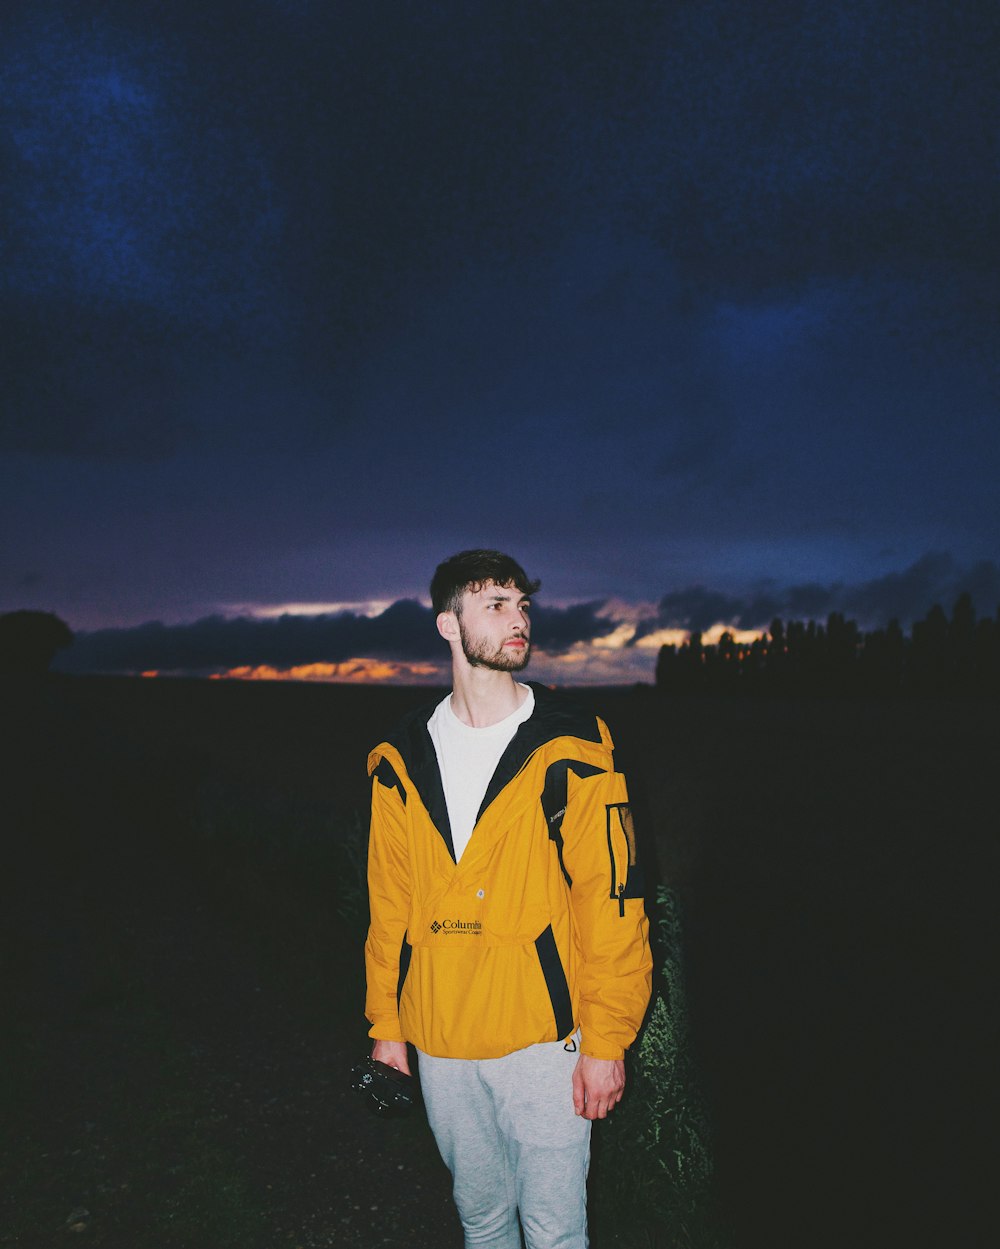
(502, 596)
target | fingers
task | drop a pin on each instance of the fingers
(593, 1105)
(579, 1093)
(601, 1107)
(393, 1054)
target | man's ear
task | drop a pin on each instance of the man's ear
(447, 626)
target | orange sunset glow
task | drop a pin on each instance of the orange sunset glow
(351, 671)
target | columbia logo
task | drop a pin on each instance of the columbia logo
(463, 927)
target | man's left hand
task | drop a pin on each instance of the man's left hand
(598, 1084)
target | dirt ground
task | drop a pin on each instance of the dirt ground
(173, 1073)
(167, 1083)
(176, 1097)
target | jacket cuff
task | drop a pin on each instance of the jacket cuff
(386, 1030)
(595, 1048)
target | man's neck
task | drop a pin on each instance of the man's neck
(481, 696)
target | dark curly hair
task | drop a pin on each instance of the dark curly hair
(470, 570)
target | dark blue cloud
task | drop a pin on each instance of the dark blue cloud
(695, 609)
(404, 631)
(556, 629)
(906, 596)
(936, 578)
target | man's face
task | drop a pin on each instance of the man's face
(494, 627)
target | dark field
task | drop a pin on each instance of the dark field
(180, 949)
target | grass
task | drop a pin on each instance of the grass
(653, 1171)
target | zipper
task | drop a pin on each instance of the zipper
(620, 851)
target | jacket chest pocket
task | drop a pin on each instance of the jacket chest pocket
(624, 882)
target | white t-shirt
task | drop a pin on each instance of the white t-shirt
(467, 759)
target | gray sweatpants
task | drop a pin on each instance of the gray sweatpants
(507, 1132)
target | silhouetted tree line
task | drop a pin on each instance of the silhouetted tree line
(956, 655)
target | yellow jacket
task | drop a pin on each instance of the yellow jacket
(539, 928)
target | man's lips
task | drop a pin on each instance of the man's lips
(516, 642)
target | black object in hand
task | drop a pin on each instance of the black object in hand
(388, 1091)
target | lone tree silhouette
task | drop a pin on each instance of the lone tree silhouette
(29, 641)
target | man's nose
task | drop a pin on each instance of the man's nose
(520, 621)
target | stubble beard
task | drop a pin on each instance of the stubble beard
(501, 659)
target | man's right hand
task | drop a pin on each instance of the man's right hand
(393, 1054)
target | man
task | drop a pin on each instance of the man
(508, 939)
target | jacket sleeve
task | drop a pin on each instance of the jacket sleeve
(606, 897)
(389, 899)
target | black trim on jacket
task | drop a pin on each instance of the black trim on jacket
(387, 777)
(552, 717)
(413, 741)
(555, 982)
(405, 954)
(554, 799)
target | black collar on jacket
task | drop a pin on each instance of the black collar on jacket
(553, 716)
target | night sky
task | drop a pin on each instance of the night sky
(693, 307)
